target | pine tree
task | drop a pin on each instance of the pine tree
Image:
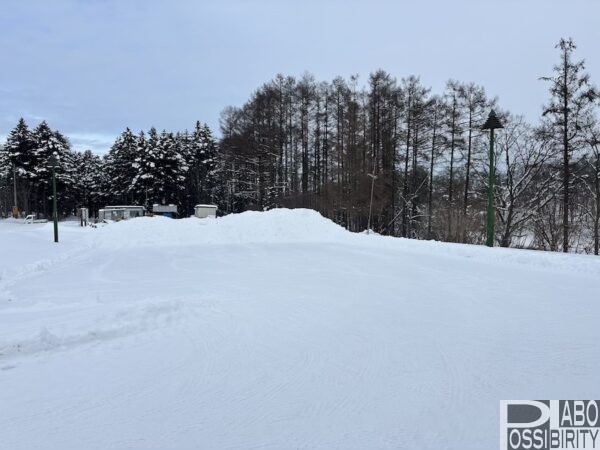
(88, 180)
(571, 97)
(454, 139)
(19, 146)
(148, 154)
(45, 144)
(171, 170)
(203, 164)
(121, 169)
(4, 182)
(475, 103)
(65, 174)
(143, 164)
(4, 163)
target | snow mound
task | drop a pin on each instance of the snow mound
(283, 226)
(274, 226)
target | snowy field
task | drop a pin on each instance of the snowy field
(280, 330)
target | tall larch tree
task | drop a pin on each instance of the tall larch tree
(571, 97)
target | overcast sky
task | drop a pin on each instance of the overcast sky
(93, 67)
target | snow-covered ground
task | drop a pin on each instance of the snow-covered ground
(280, 330)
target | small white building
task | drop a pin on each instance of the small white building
(120, 212)
(164, 210)
(203, 211)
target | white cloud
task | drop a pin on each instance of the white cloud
(98, 143)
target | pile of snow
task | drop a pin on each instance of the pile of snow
(279, 226)
(280, 330)
(274, 226)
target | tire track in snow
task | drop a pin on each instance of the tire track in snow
(122, 322)
(10, 278)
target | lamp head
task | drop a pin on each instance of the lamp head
(53, 161)
(492, 122)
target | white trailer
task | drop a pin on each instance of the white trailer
(204, 211)
(120, 212)
(164, 210)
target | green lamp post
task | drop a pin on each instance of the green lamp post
(492, 123)
(373, 178)
(53, 163)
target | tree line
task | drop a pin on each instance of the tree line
(143, 169)
(330, 146)
(324, 145)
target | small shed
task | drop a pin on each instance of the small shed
(164, 210)
(120, 212)
(203, 211)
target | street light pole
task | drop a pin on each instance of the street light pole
(491, 213)
(491, 124)
(373, 177)
(15, 210)
(53, 164)
(54, 208)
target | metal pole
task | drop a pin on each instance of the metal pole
(491, 211)
(371, 203)
(54, 208)
(15, 205)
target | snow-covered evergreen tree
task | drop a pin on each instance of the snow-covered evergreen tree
(65, 175)
(19, 146)
(88, 180)
(45, 144)
(171, 170)
(19, 158)
(202, 159)
(4, 182)
(4, 163)
(143, 164)
(121, 170)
